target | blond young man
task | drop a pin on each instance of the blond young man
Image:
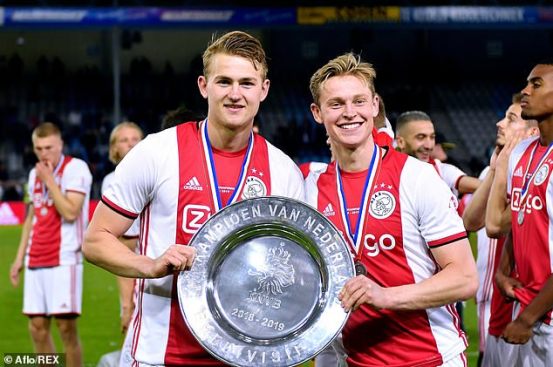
(122, 139)
(176, 180)
(50, 246)
(408, 243)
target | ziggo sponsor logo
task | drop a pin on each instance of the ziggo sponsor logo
(532, 202)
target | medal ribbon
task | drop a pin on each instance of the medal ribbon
(527, 183)
(354, 239)
(212, 173)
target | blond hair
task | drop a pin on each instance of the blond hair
(237, 43)
(114, 156)
(45, 129)
(346, 64)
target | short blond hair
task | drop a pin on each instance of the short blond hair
(114, 156)
(45, 129)
(346, 64)
(237, 43)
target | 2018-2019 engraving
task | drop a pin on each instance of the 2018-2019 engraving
(263, 321)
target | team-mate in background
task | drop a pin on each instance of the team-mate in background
(50, 245)
(494, 312)
(530, 188)
(415, 136)
(122, 139)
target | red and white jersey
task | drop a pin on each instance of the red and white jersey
(405, 220)
(307, 167)
(54, 241)
(498, 314)
(532, 164)
(168, 180)
(487, 249)
(449, 173)
(134, 230)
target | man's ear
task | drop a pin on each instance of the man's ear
(400, 142)
(316, 111)
(202, 86)
(265, 89)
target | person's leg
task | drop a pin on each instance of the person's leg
(64, 304)
(39, 327)
(70, 339)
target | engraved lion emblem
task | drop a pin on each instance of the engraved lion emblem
(275, 274)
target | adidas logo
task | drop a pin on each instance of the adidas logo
(518, 172)
(193, 184)
(7, 216)
(329, 210)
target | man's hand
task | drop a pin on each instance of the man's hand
(175, 259)
(361, 290)
(507, 285)
(15, 269)
(517, 332)
(44, 171)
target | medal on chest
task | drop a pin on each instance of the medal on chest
(354, 238)
(212, 174)
(536, 177)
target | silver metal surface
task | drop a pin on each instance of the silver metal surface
(263, 289)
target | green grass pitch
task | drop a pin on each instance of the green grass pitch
(99, 323)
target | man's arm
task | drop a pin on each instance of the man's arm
(498, 212)
(103, 248)
(457, 280)
(519, 331)
(126, 290)
(17, 264)
(474, 215)
(68, 205)
(467, 184)
(503, 279)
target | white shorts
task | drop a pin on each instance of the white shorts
(459, 360)
(54, 291)
(499, 353)
(538, 352)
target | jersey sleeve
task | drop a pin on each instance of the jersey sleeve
(133, 180)
(435, 206)
(106, 182)
(451, 175)
(286, 177)
(77, 177)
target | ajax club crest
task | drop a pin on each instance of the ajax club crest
(541, 175)
(382, 204)
(253, 188)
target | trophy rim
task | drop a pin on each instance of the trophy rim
(200, 299)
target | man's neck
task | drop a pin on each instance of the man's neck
(229, 140)
(355, 160)
(546, 131)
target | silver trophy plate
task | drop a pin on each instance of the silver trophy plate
(263, 290)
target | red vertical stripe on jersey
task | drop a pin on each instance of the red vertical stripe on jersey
(182, 348)
(143, 245)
